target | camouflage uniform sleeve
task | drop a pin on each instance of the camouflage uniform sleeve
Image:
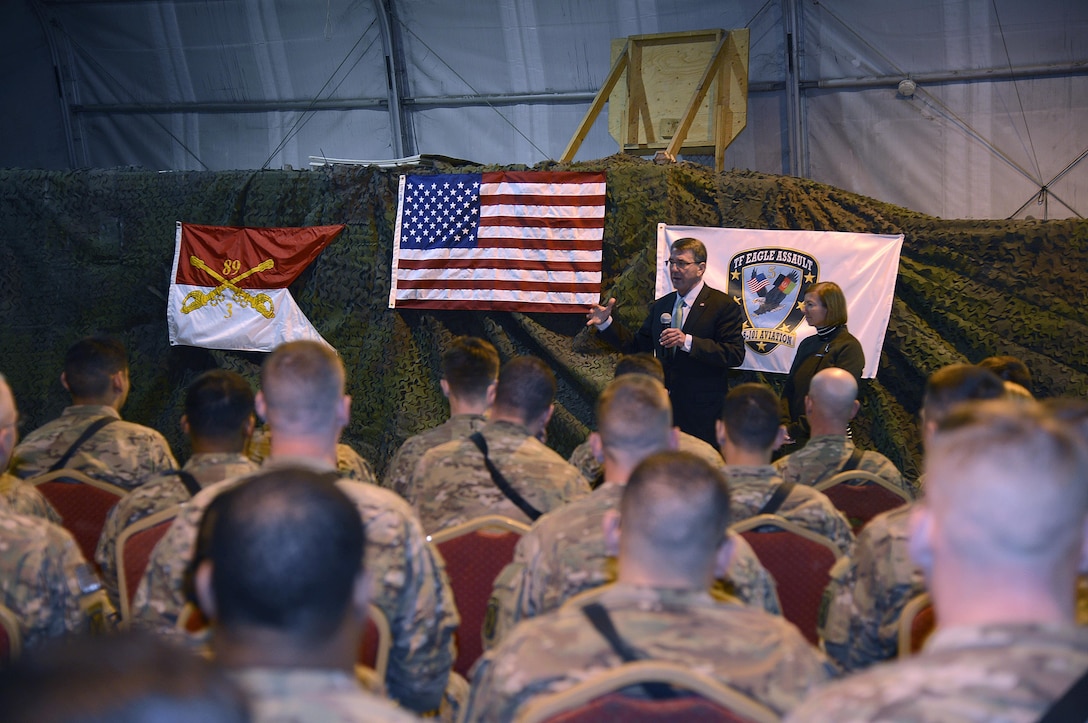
(25, 499)
(398, 475)
(863, 601)
(353, 465)
(412, 589)
(751, 582)
(160, 597)
(159, 456)
(582, 458)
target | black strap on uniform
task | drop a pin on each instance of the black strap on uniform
(500, 481)
(602, 623)
(89, 432)
(189, 481)
(781, 492)
(1071, 706)
(853, 461)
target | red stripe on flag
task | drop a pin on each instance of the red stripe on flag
(515, 264)
(542, 221)
(542, 177)
(547, 244)
(569, 288)
(512, 199)
(491, 305)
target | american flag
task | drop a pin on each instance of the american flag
(757, 282)
(505, 240)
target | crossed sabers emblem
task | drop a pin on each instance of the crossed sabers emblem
(261, 303)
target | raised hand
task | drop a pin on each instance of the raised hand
(598, 314)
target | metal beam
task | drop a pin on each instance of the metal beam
(395, 119)
(953, 76)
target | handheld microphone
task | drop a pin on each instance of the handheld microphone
(666, 319)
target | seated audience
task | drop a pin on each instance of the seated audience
(644, 363)
(669, 540)
(566, 552)
(470, 372)
(285, 587)
(831, 402)
(999, 536)
(218, 420)
(504, 469)
(868, 590)
(124, 678)
(748, 433)
(302, 397)
(90, 436)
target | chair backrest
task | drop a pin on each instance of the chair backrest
(475, 553)
(862, 495)
(11, 636)
(376, 643)
(134, 547)
(601, 698)
(800, 562)
(82, 502)
(916, 623)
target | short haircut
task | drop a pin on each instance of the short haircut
(470, 365)
(751, 416)
(302, 382)
(1009, 482)
(634, 414)
(641, 363)
(678, 503)
(218, 405)
(694, 245)
(1009, 368)
(90, 363)
(526, 385)
(831, 296)
(955, 383)
(286, 548)
(128, 677)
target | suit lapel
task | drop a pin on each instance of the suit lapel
(697, 308)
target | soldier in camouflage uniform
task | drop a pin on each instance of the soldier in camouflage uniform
(44, 579)
(121, 453)
(999, 537)
(870, 587)
(586, 461)
(470, 371)
(668, 532)
(21, 498)
(829, 406)
(452, 484)
(302, 397)
(350, 463)
(748, 433)
(218, 420)
(289, 628)
(565, 552)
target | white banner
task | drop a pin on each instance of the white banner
(767, 272)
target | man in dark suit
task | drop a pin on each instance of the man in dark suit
(696, 333)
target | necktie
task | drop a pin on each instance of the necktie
(678, 313)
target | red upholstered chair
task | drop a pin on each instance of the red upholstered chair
(916, 623)
(83, 504)
(475, 553)
(862, 495)
(800, 561)
(134, 547)
(11, 637)
(601, 699)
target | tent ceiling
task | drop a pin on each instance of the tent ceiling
(218, 84)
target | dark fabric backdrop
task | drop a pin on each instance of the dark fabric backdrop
(90, 251)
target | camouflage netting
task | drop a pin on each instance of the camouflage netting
(90, 251)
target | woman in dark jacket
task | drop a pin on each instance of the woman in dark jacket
(831, 346)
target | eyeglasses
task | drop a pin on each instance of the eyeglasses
(677, 263)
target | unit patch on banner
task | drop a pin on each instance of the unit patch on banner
(768, 283)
